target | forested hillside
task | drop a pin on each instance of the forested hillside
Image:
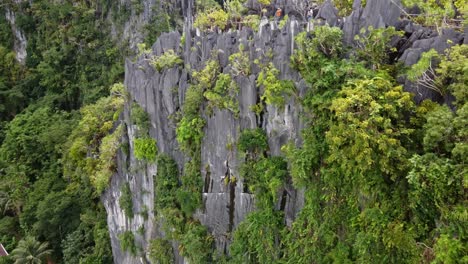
(323, 135)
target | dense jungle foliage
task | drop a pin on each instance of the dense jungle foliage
(58, 129)
(384, 179)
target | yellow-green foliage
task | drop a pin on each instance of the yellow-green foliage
(210, 19)
(208, 75)
(283, 22)
(93, 144)
(190, 133)
(371, 107)
(251, 21)
(436, 12)
(145, 149)
(240, 62)
(224, 94)
(235, 8)
(265, 2)
(452, 72)
(167, 60)
(106, 166)
(450, 75)
(275, 90)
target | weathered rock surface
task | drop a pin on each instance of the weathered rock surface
(20, 42)
(162, 94)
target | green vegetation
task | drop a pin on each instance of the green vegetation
(94, 135)
(160, 251)
(166, 183)
(256, 238)
(214, 18)
(283, 22)
(374, 45)
(384, 180)
(30, 250)
(127, 242)
(449, 76)
(274, 90)
(253, 141)
(58, 138)
(196, 243)
(168, 59)
(190, 133)
(140, 118)
(125, 200)
(439, 14)
(145, 149)
(240, 62)
(224, 94)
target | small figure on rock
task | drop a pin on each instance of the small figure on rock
(310, 15)
(278, 14)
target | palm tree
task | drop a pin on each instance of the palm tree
(30, 251)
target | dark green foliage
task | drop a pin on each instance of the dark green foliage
(159, 23)
(196, 244)
(140, 118)
(125, 200)
(60, 53)
(127, 242)
(253, 141)
(12, 94)
(71, 60)
(256, 239)
(374, 45)
(160, 251)
(189, 195)
(32, 141)
(6, 35)
(90, 242)
(166, 183)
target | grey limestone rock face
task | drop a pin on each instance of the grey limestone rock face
(226, 202)
(161, 94)
(20, 42)
(376, 13)
(329, 13)
(420, 41)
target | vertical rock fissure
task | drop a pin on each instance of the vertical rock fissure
(232, 196)
(207, 179)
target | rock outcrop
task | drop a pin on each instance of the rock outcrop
(20, 43)
(162, 94)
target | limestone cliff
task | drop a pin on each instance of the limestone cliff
(161, 94)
